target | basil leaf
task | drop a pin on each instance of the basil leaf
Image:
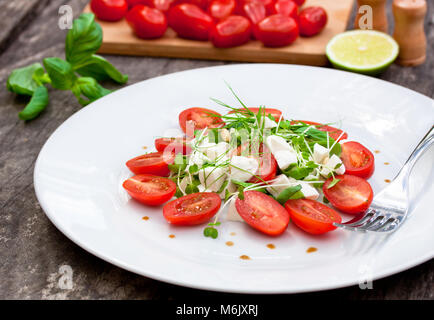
(83, 40)
(36, 105)
(298, 173)
(21, 80)
(223, 187)
(210, 232)
(90, 89)
(61, 73)
(99, 68)
(287, 194)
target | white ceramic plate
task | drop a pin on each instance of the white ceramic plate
(80, 169)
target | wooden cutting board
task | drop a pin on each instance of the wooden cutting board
(119, 39)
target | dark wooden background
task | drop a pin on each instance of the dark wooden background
(32, 249)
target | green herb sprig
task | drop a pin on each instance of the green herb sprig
(79, 72)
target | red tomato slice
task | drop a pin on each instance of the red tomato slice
(287, 8)
(147, 23)
(190, 22)
(231, 32)
(220, 9)
(192, 209)
(267, 166)
(263, 213)
(200, 118)
(350, 195)
(276, 31)
(175, 145)
(357, 159)
(254, 11)
(312, 21)
(150, 189)
(312, 216)
(152, 163)
(333, 132)
(268, 111)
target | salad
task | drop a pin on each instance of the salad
(254, 166)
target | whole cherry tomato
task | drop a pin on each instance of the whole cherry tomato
(147, 23)
(254, 11)
(231, 32)
(189, 21)
(312, 20)
(287, 8)
(220, 9)
(276, 31)
(109, 10)
(203, 4)
(299, 2)
(132, 3)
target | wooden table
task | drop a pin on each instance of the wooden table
(32, 249)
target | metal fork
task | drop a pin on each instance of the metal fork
(390, 207)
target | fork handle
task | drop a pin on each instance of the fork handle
(423, 146)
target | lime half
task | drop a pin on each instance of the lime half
(363, 51)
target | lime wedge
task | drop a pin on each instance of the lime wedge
(363, 51)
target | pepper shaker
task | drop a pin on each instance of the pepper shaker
(375, 18)
(409, 31)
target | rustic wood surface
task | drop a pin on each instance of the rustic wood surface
(32, 249)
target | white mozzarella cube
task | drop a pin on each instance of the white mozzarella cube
(198, 158)
(285, 158)
(217, 151)
(268, 123)
(212, 178)
(330, 165)
(276, 143)
(282, 182)
(308, 191)
(233, 214)
(243, 168)
(319, 153)
(279, 184)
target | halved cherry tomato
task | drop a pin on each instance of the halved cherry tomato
(149, 189)
(312, 216)
(190, 22)
(276, 31)
(287, 8)
(152, 163)
(192, 209)
(276, 114)
(351, 194)
(221, 9)
(254, 11)
(109, 10)
(312, 20)
(334, 133)
(146, 22)
(163, 5)
(357, 159)
(199, 118)
(263, 213)
(231, 32)
(267, 166)
(175, 145)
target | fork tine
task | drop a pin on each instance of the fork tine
(385, 223)
(379, 220)
(357, 220)
(368, 218)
